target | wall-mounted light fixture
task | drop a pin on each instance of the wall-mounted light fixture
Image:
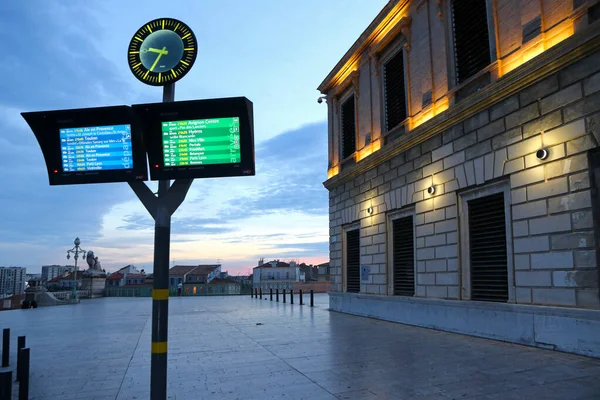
(320, 99)
(542, 154)
(431, 189)
(370, 210)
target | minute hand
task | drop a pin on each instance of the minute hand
(163, 51)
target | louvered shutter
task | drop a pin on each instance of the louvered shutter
(348, 128)
(487, 241)
(394, 91)
(471, 37)
(353, 261)
(404, 257)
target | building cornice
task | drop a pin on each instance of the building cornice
(353, 55)
(552, 60)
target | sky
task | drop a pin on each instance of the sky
(66, 54)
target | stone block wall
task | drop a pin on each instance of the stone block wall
(553, 241)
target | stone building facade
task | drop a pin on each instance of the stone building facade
(464, 165)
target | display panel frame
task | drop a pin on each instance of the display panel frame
(46, 126)
(153, 115)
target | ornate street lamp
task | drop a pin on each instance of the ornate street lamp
(76, 251)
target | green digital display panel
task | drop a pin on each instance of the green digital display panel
(201, 142)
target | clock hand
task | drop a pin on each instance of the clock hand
(163, 51)
(153, 50)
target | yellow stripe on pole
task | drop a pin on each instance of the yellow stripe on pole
(159, 347)
(160, 294)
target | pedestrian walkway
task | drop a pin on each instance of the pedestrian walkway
(244, 348)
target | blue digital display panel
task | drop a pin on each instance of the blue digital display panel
(96, 148)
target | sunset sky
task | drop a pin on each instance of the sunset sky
(72, 54)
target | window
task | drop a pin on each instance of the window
(486, 247)
(403, 256)
(471, 38)
(394, 91)
(348, 123)
(278, 274)
(353, 261)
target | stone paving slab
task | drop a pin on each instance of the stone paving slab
(242, 348)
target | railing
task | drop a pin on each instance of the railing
(188, 290)
(267, 285)
(82, 294)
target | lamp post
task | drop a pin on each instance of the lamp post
(76, 251)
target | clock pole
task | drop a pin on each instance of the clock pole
(160, 302)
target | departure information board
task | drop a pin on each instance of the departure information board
(201, 142)
(96, 148)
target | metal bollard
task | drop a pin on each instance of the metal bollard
(24, 375)
(5, 346)
(291, 296)
(251, 293)
(6, 385)
(277, 295)
(20, 345)
(271, 294)
(301, 303)
(255, 293)
(261, 294)
(312, 298)
(284, 295)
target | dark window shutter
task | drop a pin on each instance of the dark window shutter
(348, 128)
(394, 91)
(404, 257)
(471, 37)
(353, 261)
(487, 239)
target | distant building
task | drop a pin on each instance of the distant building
(64, 282)
(50, 272)
(277, 274)
(130, 269)
(29, 277)
(134, 279)
(128, 276)
(323, 272)
(115, 279)
(12, 280)
(193, 274)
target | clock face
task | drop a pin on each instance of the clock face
(162, 51)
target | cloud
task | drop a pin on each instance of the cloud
(53, 64)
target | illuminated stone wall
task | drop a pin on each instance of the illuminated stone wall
(553, 244)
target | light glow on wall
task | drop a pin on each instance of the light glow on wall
(333, 171)
(367, 150)
(547, 40)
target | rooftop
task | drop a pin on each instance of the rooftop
(196, 269)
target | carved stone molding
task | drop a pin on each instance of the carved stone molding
(354, 77)
(440, 9)
(405, 30)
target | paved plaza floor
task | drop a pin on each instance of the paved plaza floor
(244, 348)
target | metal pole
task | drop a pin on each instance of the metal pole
(24, 378)
(277, 295)
(20, 345)
(5, 346)
(260, 291)
(160, 292)
(75, 276)
(312, 298)
(271, 294)
(301, 302)
(291, 296)
(6, 385)
(284, 295)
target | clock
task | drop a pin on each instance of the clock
(162, 51)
